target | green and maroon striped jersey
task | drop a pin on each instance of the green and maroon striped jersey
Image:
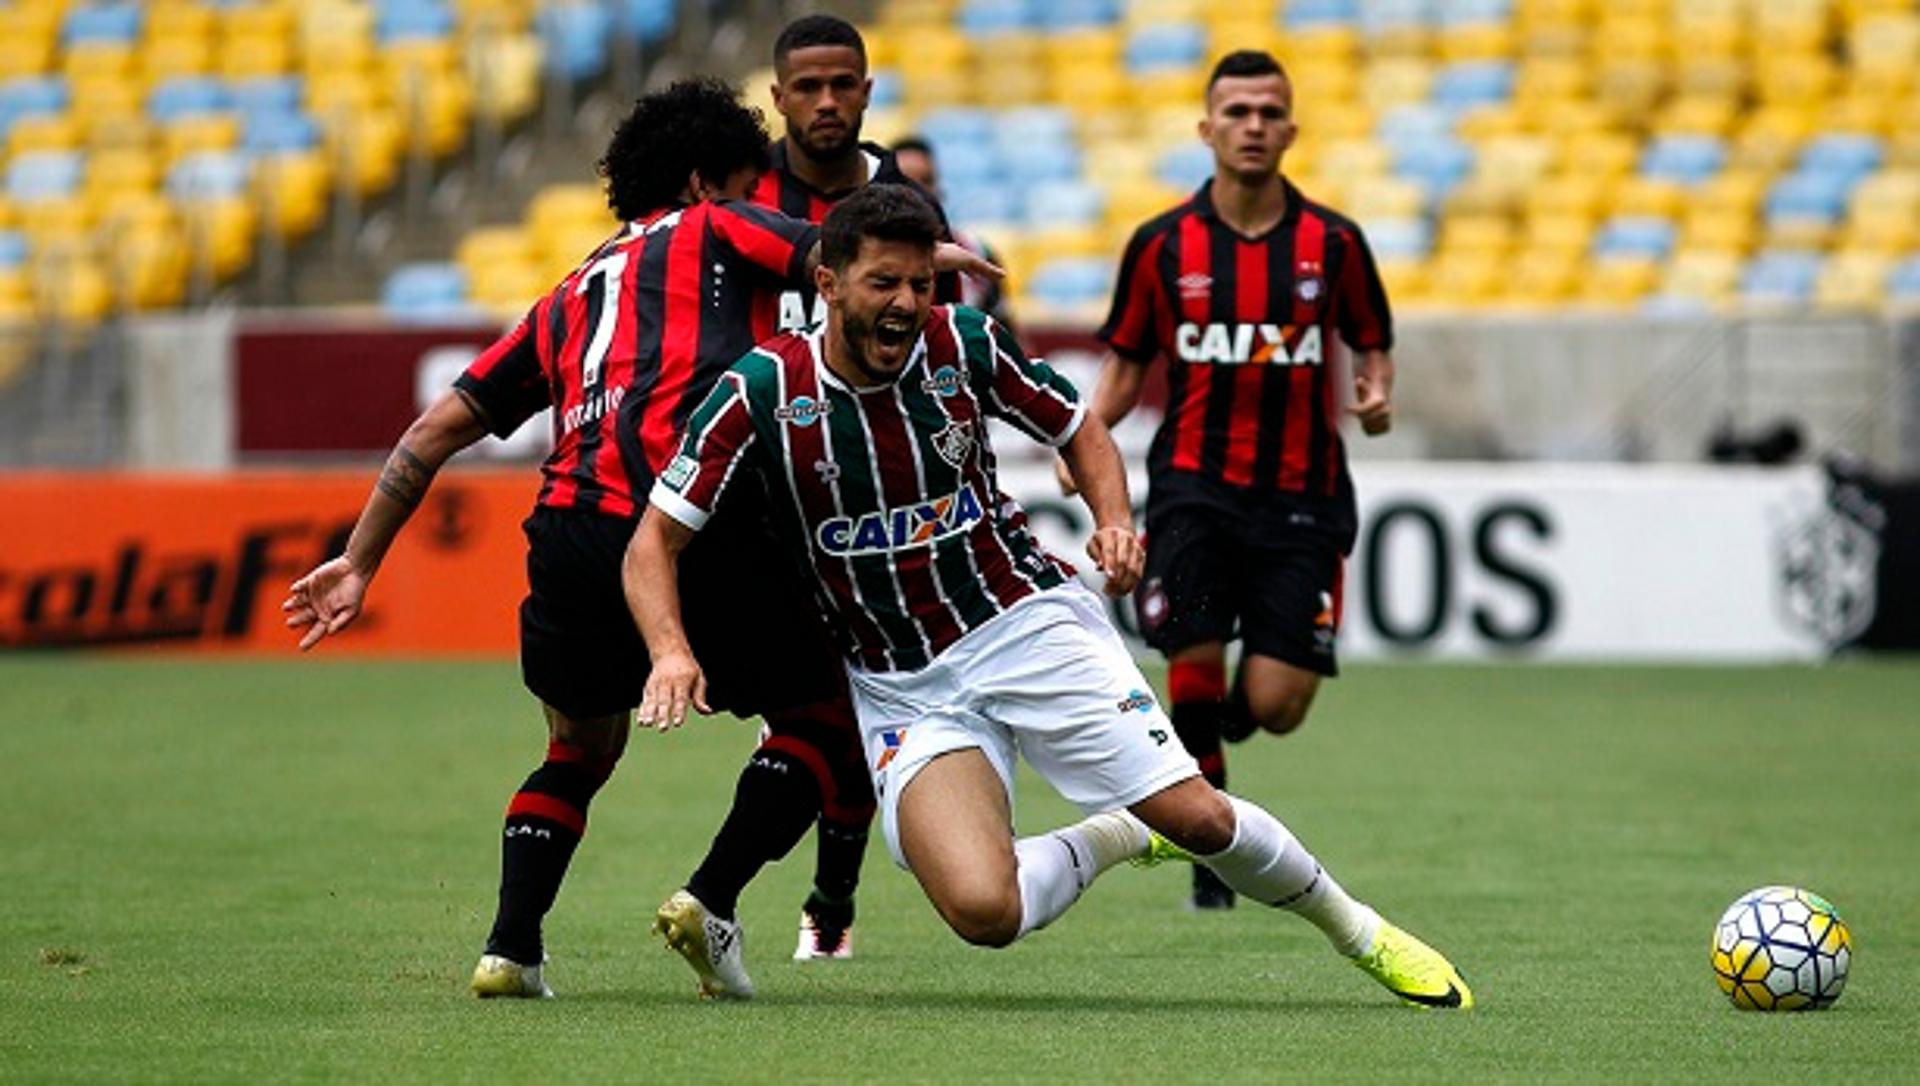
(891, 490)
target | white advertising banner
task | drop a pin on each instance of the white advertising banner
(1579, 562)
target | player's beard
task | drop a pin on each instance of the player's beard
(829, 147)
(876, 361)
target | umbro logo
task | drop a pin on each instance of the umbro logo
(1194, 284)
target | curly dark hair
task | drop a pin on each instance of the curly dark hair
(691, 126)
(883, 212)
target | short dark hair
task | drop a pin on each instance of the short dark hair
(883, 212)
(911, 144)
(1244, 63)
(693, 125)
(810, 30)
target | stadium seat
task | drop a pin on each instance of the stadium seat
(1437, 164)
(1685, 159)
(1698, 280)
(116, 23)
(208, 175)
(1069, 15)
(990, 18)
(187, 96)
(1184, 168)
(425, 291)
(1415, 122)
(1307, 14)
(1779, 278)
(1473, 83)
(1072, 283)
(13, 249)
(1634, 236)
(1064, 203)
(1617, 282)
(44, 175)
(575, 36)
(973, 205)
(1399, 237)
(1850, 157)
(1903, 283)
(1157, 48)
(1852, 282)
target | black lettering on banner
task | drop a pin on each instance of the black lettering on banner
(1440, 599)
(255, 565)
(1532, 583)
(58, 598)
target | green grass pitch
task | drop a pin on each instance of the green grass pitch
(284, 871)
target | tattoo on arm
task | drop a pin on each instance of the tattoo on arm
(405, 478)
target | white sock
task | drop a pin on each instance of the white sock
(1055, 867)
(1267, 863)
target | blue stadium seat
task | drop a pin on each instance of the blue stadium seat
(646, 21)
(208, 175)
(1780, 277)
(968, 162)
(13, 249)
(1079, 14)
(1381, 15)
(1301, 14)
(30, 97)
(268, 132)
(1634, 236)
(985, 18)
(399, 20)
(1686, 159)
(1073, 281)
(1844, 154)
(425, 291)
(1185, 167)
(1439, 164)
(1042, 162)
(1017, 130)
(102, 22)
(887, 89)
(44, 175)
(1809, 196)
(271, 94)
(1903, 283)
(1401, 237)
(1473, 83)
(1414, 123)
(184, 96)
(1472, 12)
(956, 125)
(575, 38)
(1161, 47)
(1064, 203)
(978, 205)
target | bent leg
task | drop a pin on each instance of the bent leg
(956, 832)
(1275, 694)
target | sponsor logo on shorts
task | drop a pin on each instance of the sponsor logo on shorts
(1137, 701)
(803, 411)
(890, 741)
(917, 525)
(944, 381)
(828, 470)
(680, 472)
(1153, 604)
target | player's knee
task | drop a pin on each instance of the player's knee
(1203, 825)
(983, 915)
(1283, 711)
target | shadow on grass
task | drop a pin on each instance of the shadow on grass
(998, 1001)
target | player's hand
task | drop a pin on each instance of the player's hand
(325, 601)
(949, 257)
(675, 683)
(1372, 405)
(1119, 555)
(1064, 476)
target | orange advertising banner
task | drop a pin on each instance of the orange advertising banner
(201, 563)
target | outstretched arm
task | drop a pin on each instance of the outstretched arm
(1097, 471)
(328, 599)
(1114, 398)
(649, 577)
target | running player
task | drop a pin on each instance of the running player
(625, 346)
(967, 643)
(1245, 288)
(808, 769)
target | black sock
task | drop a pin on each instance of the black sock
(545, 821)
(774, 802)
(1236, 717)
(837, 870)
(1197, 723)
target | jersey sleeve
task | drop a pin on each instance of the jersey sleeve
(1364, 320)
(1029, 394)
(506, 384)
(1133, 328)
(719, 436)
(776, 244)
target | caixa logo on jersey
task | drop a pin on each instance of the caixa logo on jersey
(888, 530)
(803, 411)
(1245, 344)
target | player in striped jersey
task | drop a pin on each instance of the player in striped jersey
(967, 644)
(1249, 289)
(621, 350)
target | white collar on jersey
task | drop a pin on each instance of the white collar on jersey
(817, 345)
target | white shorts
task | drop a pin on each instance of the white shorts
(1050, 680)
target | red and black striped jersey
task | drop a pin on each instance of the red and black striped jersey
(891, 491)
(780, 190)
(1248, 328)
(629, 342)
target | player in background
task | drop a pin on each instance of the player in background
(1245, 288)
(621, 350)
(807, 771)
(914, 157)
(967, 644)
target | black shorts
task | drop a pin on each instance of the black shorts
(750, 618)
(1215, 574)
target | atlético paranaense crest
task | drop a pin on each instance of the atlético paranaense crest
(1829, 561)
(954, 442)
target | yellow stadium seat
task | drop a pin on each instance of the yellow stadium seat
(1334, 42)
(1575, 119)
(1489, 235)
(1088, 89)
(177, 19)
(21, 57)
(363, 148)
(56, 221)
(72, 289)
(1630, 86)
(255, 55)
(1730, 190)
(1720, 229)
(1797, 233)
(937, 49)
(1408, 40)
(1552, 79)
(220, 234)
(1771, 136)
(1565, 231)
(39, 22)
(344, 92)
(1711, 77)
(1112, 163)
(434, 55)
(1066, 241)
(198, 132)
(1647, 197)
(1180, 85)
(1576, 192)
(1518, 159)
(1852, 282)
(1152, 12)
(1404, 279)
(175, 56)
(149, 269)
(1323, 123)
(557, 206)
(1394, 82)
(1541, 278)
(1865, 114)
(1170, 124)
(563, 248)
(1630, 37)
(1214, 11)
(434, 110)
(1903, 147)
(134, 210)
(109, 131)
(1889, 192)
(291, 190)
(114, 173)
(493, 245)
(480, 17)
(932, 89)
(1887, 44)
(1475, 41)
(97, 60)
(1617, 282)
(1795, 79)
(1881, 232)
(1466, 279)
(1378, 197)
(1352, 158)
(508, 287)
(1491, 122)
(1696, 116)
(1606, 156)
(1226, 36)
(43, 132)
(1702, 275)
(1700, 35)
(1131, 203)
(504, 70)
(1781, 31)
(1486, 194)
(1072, 48)
(1320, 84)
(258, 20)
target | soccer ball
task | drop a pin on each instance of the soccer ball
(1781, 948)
